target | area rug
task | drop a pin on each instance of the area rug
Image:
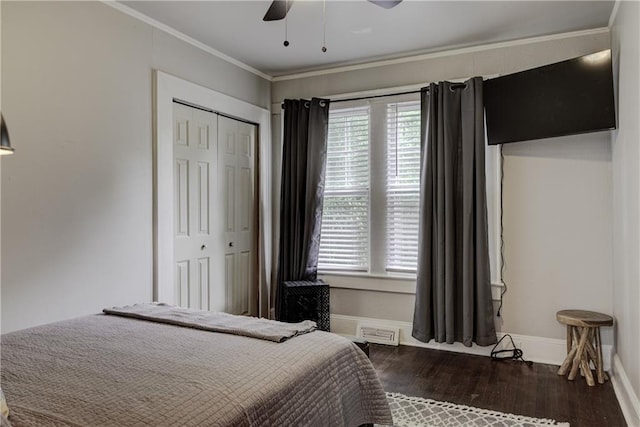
(418, 412)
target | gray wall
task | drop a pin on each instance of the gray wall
(557, 194)
(626, 192)
(77, 195)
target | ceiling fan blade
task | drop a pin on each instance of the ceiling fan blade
(278, 10)
(387, 4)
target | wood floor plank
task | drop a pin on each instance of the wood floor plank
(506, 386)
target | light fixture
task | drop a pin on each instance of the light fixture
(5, 143)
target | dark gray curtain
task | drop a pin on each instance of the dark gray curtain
(304, 155)
(453, 290)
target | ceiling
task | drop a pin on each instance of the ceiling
(358, 31)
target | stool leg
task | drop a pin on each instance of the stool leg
(591, 348)
(567, 361)
(598, 349)
(585, 358)
(584, 364)
(584, 333)
(572, 345)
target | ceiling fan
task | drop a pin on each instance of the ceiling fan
(279, 8)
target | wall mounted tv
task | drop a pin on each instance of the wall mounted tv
(568, 97)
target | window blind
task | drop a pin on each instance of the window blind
(403, 185)
(344, 242)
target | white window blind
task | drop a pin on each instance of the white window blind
(402, 186)
(344, 243)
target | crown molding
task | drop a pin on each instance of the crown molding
(185, 38)
(449, 52)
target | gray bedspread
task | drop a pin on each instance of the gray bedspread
(215, 321)
(105, 370)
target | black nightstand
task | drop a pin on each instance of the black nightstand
(303, 300)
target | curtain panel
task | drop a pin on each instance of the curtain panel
(453, 287)
(304, 153)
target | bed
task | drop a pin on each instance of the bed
(107, 370)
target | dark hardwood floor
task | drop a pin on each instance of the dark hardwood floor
(506, 386)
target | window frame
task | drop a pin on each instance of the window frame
(377, 190)
(405, 284)
(364, 189)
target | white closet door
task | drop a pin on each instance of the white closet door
(196, 227)
(237, 143)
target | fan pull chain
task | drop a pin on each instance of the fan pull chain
(286, 37)
(324, 25)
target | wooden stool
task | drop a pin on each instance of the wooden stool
(583, 343)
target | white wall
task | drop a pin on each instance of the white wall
(77, 196)
(557, 202)
(626, 207)
(557, 231)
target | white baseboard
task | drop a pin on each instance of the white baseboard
(535, 349)
(627, 398)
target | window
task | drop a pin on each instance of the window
(370, 216)
(344, 243)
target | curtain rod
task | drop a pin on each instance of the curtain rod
(453, 86)
(359, 98)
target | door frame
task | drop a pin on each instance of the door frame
(168, 88)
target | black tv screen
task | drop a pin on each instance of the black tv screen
(568, 97)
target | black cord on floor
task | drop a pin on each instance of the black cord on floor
(508, 354)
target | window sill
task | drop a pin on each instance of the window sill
(382, 283)
(370, 282)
